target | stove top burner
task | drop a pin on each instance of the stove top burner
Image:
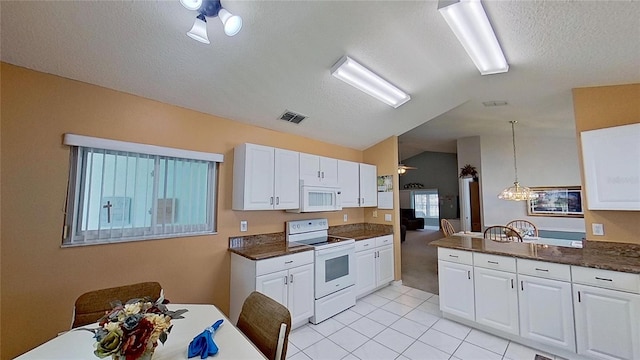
(321, 241)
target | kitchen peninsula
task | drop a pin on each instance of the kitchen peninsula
(576, 303)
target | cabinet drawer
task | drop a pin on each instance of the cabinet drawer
(544, 269)
(365, 244)
(285, 262)
(496, 262)
(384, 240)
(457, 256)
(606, 279)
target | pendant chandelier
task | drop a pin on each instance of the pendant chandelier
(516, 192)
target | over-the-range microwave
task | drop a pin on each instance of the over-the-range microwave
(314, 198)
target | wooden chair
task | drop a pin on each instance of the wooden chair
(524, 227)
(267, 324)
(447, 228)
(502, 234)
(93, 305)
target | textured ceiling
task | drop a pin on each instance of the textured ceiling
(281, 60)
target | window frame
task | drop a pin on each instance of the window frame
(72, 228)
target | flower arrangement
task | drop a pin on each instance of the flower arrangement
(131, 331)
(468, 170)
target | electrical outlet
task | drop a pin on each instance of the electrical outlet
(375, 213)
(387, 217)
(597, 229)
(243, 225)
(345, 217)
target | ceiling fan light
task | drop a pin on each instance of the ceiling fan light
(232, 23)
(199, 30)
(191, 4)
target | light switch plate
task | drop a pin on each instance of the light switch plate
(597, 229)
(387, 217)
(345, 217)
(375, 213)
(243, 225)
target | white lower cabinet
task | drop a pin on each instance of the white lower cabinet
(546, 311)
(496, 299)
(607, 323)
(374, 264)
(287, 279)
(455, 282)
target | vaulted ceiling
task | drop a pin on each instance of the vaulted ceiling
(281, 58)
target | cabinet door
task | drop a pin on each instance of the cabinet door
(496, 299)
(384, 265)
(300, 297)
(310, 169)
(348, 180)
(253, 179)
(455, 282)
(328, 171)
(368, 185)
(607, 323)
(286, 179)
(546, 311)
(274, 285)
(365, 271)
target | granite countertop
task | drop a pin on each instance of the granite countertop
(595, 254)
(264, 246)
(361, 231)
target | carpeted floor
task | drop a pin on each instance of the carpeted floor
(420, 261)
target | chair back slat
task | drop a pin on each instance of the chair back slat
(502, 234)
(447, 228)
(262, 320)
(92, 305)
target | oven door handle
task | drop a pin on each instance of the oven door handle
(338, 249)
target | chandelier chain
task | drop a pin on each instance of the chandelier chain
(513, 137)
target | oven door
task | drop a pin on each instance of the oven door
(335, 269)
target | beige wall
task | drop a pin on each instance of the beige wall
(385, 154)
(40, 280)
(602, 107)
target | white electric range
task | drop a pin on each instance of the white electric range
(334, 266)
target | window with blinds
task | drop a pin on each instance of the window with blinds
(122, 191)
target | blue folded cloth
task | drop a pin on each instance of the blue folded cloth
(203, 344)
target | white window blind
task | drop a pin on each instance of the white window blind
(118, 194)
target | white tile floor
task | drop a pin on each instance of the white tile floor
(399, 322)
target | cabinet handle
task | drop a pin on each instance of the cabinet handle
(579, 300)
(512, 283)
(286, 278)
(271, 200)
(469, 274)
(599, 278)
(323, 174)
(362, 201)
(318, 174)
(277, 200)
(288, 262)
(493, 262)
(453, 256)
(546, 270)
(522, 285)
(291, 280)
(365, 245)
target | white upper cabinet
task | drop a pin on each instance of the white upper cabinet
(265, 178)
(611, 159)
(318, 170)
(358, 184)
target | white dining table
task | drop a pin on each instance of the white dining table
(232, 344)
(529, 239)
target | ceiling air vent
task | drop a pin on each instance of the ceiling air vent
(494, 103)
(293, 117)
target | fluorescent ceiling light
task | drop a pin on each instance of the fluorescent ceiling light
(469, 22)
(354, 74)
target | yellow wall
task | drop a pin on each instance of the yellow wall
(40, 280)
(386, 153)
(602, 107)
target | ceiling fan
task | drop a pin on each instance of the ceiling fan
(402, 168)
